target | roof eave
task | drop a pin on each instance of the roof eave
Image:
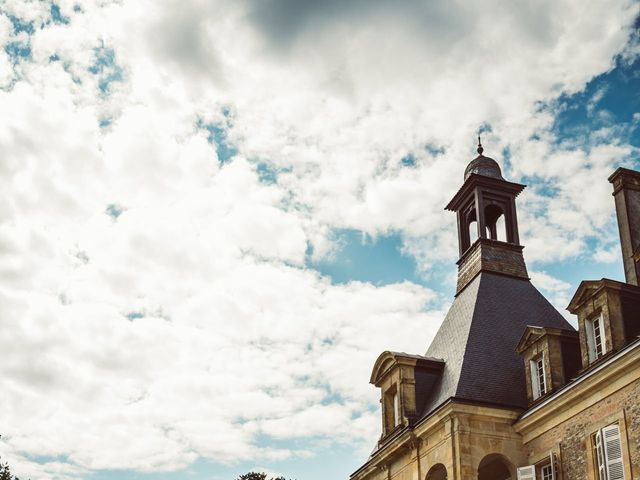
(475, 179)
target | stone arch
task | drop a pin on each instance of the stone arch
(437, 472)
(496, 467)
(495, 223)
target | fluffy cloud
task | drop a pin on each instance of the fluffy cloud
(156, 300)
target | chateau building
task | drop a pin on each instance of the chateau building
(508, 389)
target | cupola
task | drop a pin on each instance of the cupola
(488, 236)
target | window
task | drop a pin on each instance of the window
(546, 472)
(527, 473)
(608, 453)
(391, 409)
(396, 409)
(538, 379)
(595, 338)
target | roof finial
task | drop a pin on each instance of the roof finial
(480, 149)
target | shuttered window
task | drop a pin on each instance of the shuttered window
(547, 472)
(396, 409)
(595, 338)
(538, 381)
(527, 473)
(608, 449)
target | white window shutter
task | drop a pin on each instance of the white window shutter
(527, 473)
(591, 344)
(613, 452)
(396, 409)
(552, 462)
(602, 470)
(534, 379)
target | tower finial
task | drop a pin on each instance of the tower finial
(480, 149)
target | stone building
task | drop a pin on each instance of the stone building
(508, 389)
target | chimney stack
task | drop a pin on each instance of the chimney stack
(626, 191)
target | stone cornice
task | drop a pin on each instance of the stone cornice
(487, 182)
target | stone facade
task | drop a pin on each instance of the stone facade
(456, 439)
(490, 256)
(566, 424)
(459, 437)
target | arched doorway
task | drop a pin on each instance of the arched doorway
(495, 467)
(437, 472)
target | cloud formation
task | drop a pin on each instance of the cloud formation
(169, 168)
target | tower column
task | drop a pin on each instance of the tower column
(480, 220)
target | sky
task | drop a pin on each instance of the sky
(215, 215)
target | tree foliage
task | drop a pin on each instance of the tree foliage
(252, 476)
(5, 472)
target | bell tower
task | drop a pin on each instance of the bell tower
(488, 236)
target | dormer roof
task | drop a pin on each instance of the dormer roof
(387, 360)
(588, 288)
(533, 333)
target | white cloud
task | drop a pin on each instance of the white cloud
(607, 255)
(557, 291)
(188, 324)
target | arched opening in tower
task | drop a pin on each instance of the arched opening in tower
(495, 224)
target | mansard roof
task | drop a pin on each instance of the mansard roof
(478, 341)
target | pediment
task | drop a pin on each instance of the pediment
(585, 290)
(388, 361)
(530, 336)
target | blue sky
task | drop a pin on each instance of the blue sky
(217, 216)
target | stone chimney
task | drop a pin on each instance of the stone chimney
(626, 191)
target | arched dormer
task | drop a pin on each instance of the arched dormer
(405, 381)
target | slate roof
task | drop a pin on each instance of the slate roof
(482, 165)
(478, 340)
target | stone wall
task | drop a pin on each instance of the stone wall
(458, 440)
(490, 256)
(572, 439)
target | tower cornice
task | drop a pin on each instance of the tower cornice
(492, 256)
(474, 180)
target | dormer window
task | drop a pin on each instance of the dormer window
(595, 338)
(392, 408)
(538, 381)
(551, 358)
(400, 376)
(396, 409)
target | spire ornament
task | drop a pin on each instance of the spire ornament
(480, 149)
